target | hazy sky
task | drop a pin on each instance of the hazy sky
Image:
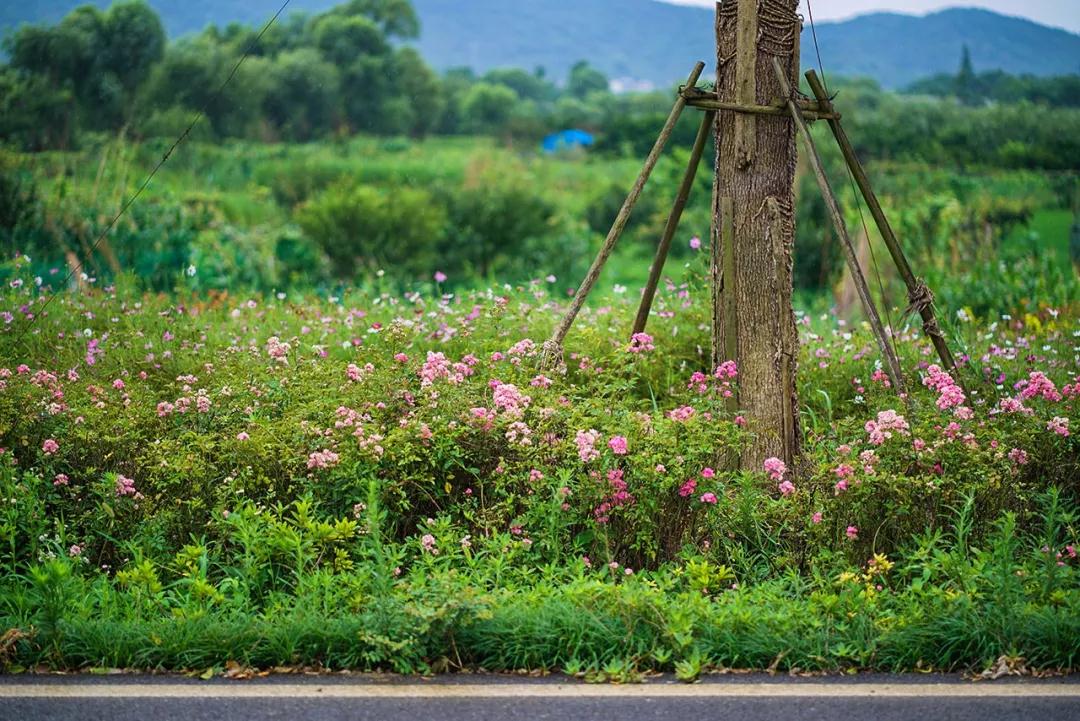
(1060, 13)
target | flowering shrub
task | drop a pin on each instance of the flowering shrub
(174, 413)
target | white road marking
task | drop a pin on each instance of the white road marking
(241, 689)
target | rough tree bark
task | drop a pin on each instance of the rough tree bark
(755, 168)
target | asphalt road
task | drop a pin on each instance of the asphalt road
(491, 698)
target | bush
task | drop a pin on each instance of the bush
(362, 227)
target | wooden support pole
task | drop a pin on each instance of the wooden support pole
(727, 237)
(746, 52)
(708, 101)
(681, 198)
(919, 296)
(891, 361)
(553, 346)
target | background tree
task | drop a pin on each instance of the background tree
(585, 80)
(304, 94)
(486, 107)
(967, 84)
(133, 42)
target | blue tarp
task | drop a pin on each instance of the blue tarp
(567, 139)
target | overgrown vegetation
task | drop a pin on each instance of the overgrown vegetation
(378, 481)
(290, 412)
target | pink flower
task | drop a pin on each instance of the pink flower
(322, 459)
(727, 369)
(277, 350)
(816, 518)
(687, 489)
(840, 487)
(50, 447)
(440, 277)
(126, 487)
(540, 381)
(887, 422)
(641, 343)
(786, 488)
(682, 414)
(60, 480)
(118, 384)
(510, 400)
(428, 542)
(709, 498)
(586, 442)
(1038, 384)
(695, 243)
(618, 445)
(775, 468)
(535, 475)
(708, 473)
(950, 395)
(242, 436)
(1018, 456)
(852, 533)
(1059, 425)
(401, 358)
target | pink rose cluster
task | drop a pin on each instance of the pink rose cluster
(126, 487)
(725, 374)
(682, 414)
(641, 343)
(888, 422)
(950, 395)
(619, 496)
(278, 350)
(439, 366)
(586, 444)
(1059, 425)
(355, 373)
(509, 399)
(775, 469)
(1038, 385)
(322, 459)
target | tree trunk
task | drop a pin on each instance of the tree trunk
(755, 167)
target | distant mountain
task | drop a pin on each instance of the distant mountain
(644, 41)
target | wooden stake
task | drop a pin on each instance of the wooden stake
(706, 101)
(891, 361)
(674, 217)
(919, 296)
(731, 318)
(716, 276)
(553, 346)
(746, 50)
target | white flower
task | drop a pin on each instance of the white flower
(191, 270)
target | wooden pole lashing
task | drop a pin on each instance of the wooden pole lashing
(681, 198)
(891, 361)
(552, 351)
(919, 296)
